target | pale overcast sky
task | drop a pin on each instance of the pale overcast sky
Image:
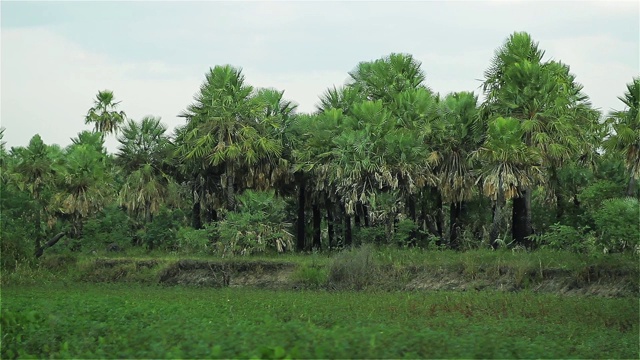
(56, 55)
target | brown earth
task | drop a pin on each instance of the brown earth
(285, 276)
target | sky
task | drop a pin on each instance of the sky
(56, 55)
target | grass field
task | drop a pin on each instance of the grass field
(85, 320)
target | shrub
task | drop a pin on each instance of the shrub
(617, 224)
(15, 245)
(353, 269)
(17, 232)
(109, 227)
(190, 241)
(160, 231)
(406, 232)
(311, 276)
(562, 237)
(258, 226)
(370, 235)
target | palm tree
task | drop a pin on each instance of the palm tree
(35, 170)
(544, 97)
(145, 154)
(343, 98)
(625, 138)
(384, 78)
(85, 185)
(104, 114)
(223, 127)
(458, 132)
(507, 166)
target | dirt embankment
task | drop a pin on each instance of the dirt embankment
(591, 281)
(216, 274)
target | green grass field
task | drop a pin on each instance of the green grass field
(70, 320)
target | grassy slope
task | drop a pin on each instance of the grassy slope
(387, 268)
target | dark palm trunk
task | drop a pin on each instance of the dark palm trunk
(49, 244)
(317, 220)
(425, 224)
(495, 226)
(37, 227)
(520, 225)
(454, 224)
(439, 214)
(231, 199)
(196, 221)
(356, 218)
(330, 229)
(348, 240)
(631, 189)
(497, 217)
(301, 221)
(211, 214)
(365, 215)
(411, 204)
(559, 206)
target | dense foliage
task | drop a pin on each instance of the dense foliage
(384, 159)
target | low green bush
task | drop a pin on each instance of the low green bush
(353, 269)
(191, 241)
(563, 237)
(111, 226)
(257, 227)
(370, 235)
(311, 276)
(617, 224)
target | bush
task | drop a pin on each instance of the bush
(161, 231)
(542, 219)
(617, 224)
(14, 250)
(370, 235)
(190, 241)
(353, 269)
(17, 231)
(311, 276)
(109, 227)
(406, 232)
(258, 226)
(562, 237)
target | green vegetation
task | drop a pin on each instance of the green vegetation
(385, 160)
(125, 321)
(388, 186)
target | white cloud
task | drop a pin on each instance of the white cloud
(52, 83)
(49, 84)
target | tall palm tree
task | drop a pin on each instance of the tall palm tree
(35, 171)
(223, 127)
(104, 115)
(544, 97)
(458, 132)
(85, 184)
(384, 78)
(145, 154)
(507, 166)
(625, 138)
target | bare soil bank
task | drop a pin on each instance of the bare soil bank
(590, 281)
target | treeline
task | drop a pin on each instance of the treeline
(384, 160)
